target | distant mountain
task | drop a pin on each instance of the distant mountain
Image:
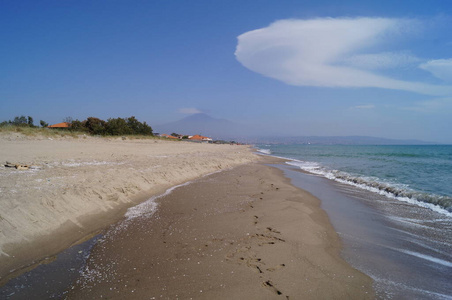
(217, 129)
(337, 140)
(205, 125)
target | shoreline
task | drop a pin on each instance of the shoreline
(403, 248)
(81, 186)
(245, 232)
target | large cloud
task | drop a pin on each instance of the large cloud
(331, 52)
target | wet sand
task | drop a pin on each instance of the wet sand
(78, 186)
(404, 248)
(245, 233)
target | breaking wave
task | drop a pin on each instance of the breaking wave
(442, 204)
(264, 151)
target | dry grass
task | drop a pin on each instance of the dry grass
(39, 131)
(56, 133)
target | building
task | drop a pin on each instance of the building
(63, 125)
(169, 136)
(200, 138)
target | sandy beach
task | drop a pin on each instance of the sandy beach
(77, 187)
(246, 233)
(242, 233)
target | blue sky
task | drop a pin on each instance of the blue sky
(377, 68)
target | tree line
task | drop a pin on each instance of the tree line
(21, 121)
(92, 125)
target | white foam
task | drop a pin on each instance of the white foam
(316, 168)
(390, 287)
(264, 151)
(427, 257)
(92, 163)
(148, 207)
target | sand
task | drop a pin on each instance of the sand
(234, 228)
(245, 233)
(79, 186)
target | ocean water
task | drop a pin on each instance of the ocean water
(421, 175)
(391, 206)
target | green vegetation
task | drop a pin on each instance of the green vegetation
(92, 125)
(43, 123)
(118, 126)
(21, 121)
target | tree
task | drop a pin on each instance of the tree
(20, 121)
(30, 122)
(145, 129)
(133, 124)
(95, 125)
(137, 127)
(117, 126)
(68, 120)
(78, 126)
(43, 123)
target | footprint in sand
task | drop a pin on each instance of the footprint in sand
(255, 220)
(268, 284)
(273, 269)
(273, 230)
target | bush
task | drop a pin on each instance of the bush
(118, 126)
(95, 125)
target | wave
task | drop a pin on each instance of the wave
(264, 151)
(441, 204)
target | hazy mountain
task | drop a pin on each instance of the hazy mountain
(224, 129)
(205, 125)
(336, 140)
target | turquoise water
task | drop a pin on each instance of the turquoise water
(391, 206)
(421, 175)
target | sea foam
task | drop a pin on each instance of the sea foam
(438, 203)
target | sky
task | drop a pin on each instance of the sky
(299, 68)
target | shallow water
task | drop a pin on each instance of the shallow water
(50, 279)
(404, 248)
(420, 175)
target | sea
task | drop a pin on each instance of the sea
(391, 206)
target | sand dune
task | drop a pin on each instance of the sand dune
(78, 186)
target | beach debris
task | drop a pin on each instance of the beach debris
(20, 166)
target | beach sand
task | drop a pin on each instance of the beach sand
(245, 233)
(78, 186)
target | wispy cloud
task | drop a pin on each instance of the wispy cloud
(334, 52)
(440, 68)
(439, 105)
(189, 110)
(384, 60)
(367, 106)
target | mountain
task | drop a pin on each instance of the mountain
(217, 129)
(205, 125)
(337, 140)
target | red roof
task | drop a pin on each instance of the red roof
(169, 136)
(199, 138)
(60, 125)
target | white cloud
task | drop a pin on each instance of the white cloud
(367, 106)
(441, 68)
(189, 111)
(327, 53)
(384, 60)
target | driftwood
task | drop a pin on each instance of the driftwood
(17, 166)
